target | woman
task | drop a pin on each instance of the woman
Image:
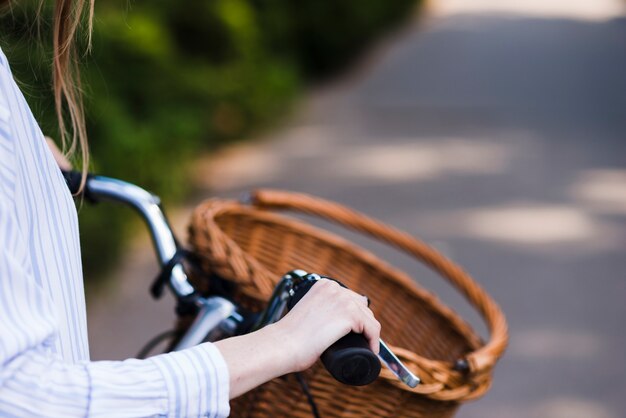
(44, 359)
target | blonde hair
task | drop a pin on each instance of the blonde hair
(68, 16)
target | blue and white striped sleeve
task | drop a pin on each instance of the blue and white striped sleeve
(36, 381)
(181, 384)
(188, 383)
(174, 385)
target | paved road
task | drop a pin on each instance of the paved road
(498, 136)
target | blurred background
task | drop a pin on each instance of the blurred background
(492, 129)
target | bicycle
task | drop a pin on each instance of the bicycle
(239, 248)
(349, 360)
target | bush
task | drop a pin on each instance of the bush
(169, 79)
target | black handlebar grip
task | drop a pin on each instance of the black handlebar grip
(74, 180)
(349, 360)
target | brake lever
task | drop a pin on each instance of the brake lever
(394, 364)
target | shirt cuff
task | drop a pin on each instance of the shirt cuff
(197, 381)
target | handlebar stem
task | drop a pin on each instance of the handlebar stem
(212, 314)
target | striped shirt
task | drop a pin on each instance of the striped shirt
(44, 354)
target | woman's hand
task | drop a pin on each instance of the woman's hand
(324, 315)
(62, 161)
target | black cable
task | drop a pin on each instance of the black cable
(307, 392)
(159, 283)
(143, 353)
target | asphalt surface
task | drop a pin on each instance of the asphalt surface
(498, 137)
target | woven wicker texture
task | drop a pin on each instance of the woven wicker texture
(254, 247)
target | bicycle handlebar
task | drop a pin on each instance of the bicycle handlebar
(149, 207)
(348, 360)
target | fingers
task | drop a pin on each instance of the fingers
(357, 310)
(371, 328)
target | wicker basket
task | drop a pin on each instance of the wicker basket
(253, 247)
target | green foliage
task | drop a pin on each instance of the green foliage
(169, 79)
(323, 36)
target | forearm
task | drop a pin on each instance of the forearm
(256, 358)
(190, 383)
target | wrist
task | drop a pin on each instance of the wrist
(285, 346)
(256, 358)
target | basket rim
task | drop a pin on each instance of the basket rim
(340, 243)
(468, 378)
